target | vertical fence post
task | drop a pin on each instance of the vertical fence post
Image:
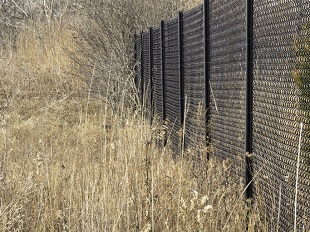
(151, 106)
(135, 61)
(206, 34)
(163, 78)
(162, 62)
(181, 77)
(249, 99)
(141, 70)
(181, 68)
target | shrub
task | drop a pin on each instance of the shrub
(104, 42)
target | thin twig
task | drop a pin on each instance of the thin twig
(297, 171)
(279, 207)
(20, 8)
(214, 99)
(233, 210)
(11, 25)
(153, 220)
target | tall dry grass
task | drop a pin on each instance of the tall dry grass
(68, 164)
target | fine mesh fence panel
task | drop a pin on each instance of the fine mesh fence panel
(193, 57)
(146, 72)
(228, 79)
(281, 95)
(157, 80)
(302, 73)
(172, 81)
(278, 108)
(138, 65)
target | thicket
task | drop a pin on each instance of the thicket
(102, 46)
(104, 42)
(17, 15)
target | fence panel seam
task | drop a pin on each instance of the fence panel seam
(249, 99)
(181, 67)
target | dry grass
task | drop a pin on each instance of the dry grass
(191, 4)
(68, 164)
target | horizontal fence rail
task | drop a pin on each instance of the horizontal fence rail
(236, 74)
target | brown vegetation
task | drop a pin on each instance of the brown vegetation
(68, 163)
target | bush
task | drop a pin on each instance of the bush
(17, 15)
(104, 43)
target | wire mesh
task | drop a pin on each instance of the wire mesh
(278, 109)
(193, 57)
(146, 73)
(157, 78)
(228, 80)
(281, 95)
(172, 81)
(137, 66)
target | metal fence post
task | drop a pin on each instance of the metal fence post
(163, 81)
(249, 100)
(206, 32)
(163, 78)
(151, 107)
(181, 68)
(135, 60)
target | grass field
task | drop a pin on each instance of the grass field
(67, 163)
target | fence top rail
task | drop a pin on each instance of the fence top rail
(193, 10)
(174, 20)
(156, 29)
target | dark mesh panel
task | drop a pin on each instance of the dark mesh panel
(157, 80)
(172, 81)
(138, 64)
(279, 109)
(228, 79)
(194, 76)
(281, 95)
(146, 72)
